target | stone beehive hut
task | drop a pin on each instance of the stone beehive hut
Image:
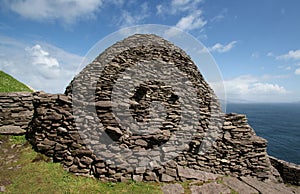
(123, 83)
(142, 110)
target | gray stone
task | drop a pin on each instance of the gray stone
(86, 160)
(188, 173)
(172, 189)
(289, 172)
(166, 178)
(150, 176)
(140, 170)
(210, 188)
(171, 172)
(115, 130)
(239, 186)
(141, 142)
(11, 130)
(137, 178)
(267, 187)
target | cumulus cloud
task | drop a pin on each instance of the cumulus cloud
(187, 23)
(251, 89)
(68, 11)
(292, 54)
(297, 71)
(41, 66)
(191, 22)
(42, 57)
(220, 48)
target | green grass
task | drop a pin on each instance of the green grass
(10, 84)
(48, 177)
(18, 139)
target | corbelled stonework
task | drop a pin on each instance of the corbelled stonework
(118, 120)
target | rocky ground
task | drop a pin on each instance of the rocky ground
(9, 165)
(231, 185)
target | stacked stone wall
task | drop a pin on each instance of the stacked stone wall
(237, 152)
(289, 172)
(16, 111)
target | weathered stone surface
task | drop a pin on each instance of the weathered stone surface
(166, 178)
(137, 178)
(11, 130)
(16, 109)
(210, 188)
(188, 173)
(140, 170)
(289, 172)
(150, 176)
(266, 187)
(172, 189)
(239, 186)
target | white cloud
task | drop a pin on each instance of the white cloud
(66, 10)
(191, 22)
(42, 57)
(42, 66)
(270, 54)
(183, 5)
(297, 71)
(220, 48)
(292, 54)
(252, 89)
(187, 23)
(175, 7)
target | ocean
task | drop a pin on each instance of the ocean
(277, 123)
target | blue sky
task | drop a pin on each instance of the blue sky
(256, 44)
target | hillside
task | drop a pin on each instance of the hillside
(10, 84)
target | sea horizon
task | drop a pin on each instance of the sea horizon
(278, 123)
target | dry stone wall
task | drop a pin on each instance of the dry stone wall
(289, 172)
(84, 130)
(239, 152)
(97, 130)
(16, 111)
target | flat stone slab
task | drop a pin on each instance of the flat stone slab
(210, 188)
(267, 187)
(172, 189)
(239, 186)
(188, 173)
(11, 130)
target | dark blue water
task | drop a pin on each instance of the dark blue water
(278, 123)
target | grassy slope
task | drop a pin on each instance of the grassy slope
(10, 84)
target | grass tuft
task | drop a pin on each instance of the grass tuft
(18, 139)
